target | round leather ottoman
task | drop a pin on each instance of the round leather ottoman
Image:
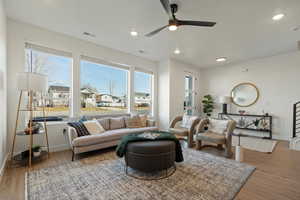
(150, 156)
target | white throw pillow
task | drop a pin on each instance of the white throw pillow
(187, 121)
(218, 126)
(94, 127)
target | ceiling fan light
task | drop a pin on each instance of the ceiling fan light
(278, 17)
(173, 27)
(177, 51)
(221, 59)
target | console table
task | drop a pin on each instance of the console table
(249, 126)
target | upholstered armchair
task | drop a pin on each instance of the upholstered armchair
(218, 132)
(185, 130)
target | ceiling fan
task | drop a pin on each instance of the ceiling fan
(174, 23)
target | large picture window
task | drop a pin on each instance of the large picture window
(143, 92)
(58, 69)
(103, 88)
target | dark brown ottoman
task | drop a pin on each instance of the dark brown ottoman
(150, 156)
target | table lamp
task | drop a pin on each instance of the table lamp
(225, 100)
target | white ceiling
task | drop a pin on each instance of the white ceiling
(244, 30)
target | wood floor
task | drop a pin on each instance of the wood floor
(277, 176)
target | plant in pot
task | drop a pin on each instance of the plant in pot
(36, 149)
(208, 105)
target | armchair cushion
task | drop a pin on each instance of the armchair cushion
(212, 137)
(218, 126)
(179, 131)
(188, 120)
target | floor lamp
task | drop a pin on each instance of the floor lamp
(30, 83)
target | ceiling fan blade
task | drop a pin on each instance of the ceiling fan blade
(166, 5)
(156, 31)
(195, 23)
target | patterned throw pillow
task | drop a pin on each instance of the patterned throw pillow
(133, 122)
(80, 128)
(218, 126)
(94, 127)
(117, 123)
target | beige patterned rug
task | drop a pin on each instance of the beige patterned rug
(201, 176)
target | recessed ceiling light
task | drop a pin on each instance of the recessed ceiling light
(172, 27)
(278, 17)
(177, 51)
(221, 59)
(133, 33)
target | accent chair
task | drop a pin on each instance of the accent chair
(186, 129)
(218, 132)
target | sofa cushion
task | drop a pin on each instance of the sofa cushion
(117, 123)
(108, 136)
(133, 122)
(104, 123)
(93, 126)
(144, 119)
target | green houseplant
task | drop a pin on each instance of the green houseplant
(208, 105)
(36, 149)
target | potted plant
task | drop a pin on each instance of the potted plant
(36, 149)
(208, 105)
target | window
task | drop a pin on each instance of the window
(189, 95)
(143, 92)
(58, 70)
(103, 88)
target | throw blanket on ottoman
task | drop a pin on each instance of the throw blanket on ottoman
(149, 136)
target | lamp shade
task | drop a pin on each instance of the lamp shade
(28, 81)
(225, 99)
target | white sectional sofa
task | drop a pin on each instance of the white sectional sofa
(115, 129)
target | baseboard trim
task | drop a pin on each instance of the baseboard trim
(3, 167)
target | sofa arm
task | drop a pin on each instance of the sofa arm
(150, 122)
(72, 133)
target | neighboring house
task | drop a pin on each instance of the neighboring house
(142, 99)
(58, 96)
(88, 97)
(110, 101)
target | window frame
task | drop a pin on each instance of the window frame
(54, 52)
(109, 64)
(151, 109)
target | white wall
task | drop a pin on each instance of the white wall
(171, 88)
(277, 79)
(164, 93)
(3, 90)
(19, 33)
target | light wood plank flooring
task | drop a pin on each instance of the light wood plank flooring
(277, 176)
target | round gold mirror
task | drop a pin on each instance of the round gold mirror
(244, 94)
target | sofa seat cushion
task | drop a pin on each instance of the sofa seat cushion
(108, 136)
(179, 131)
(211, 137)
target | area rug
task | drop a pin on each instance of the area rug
(201, 176)
(256, 144)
